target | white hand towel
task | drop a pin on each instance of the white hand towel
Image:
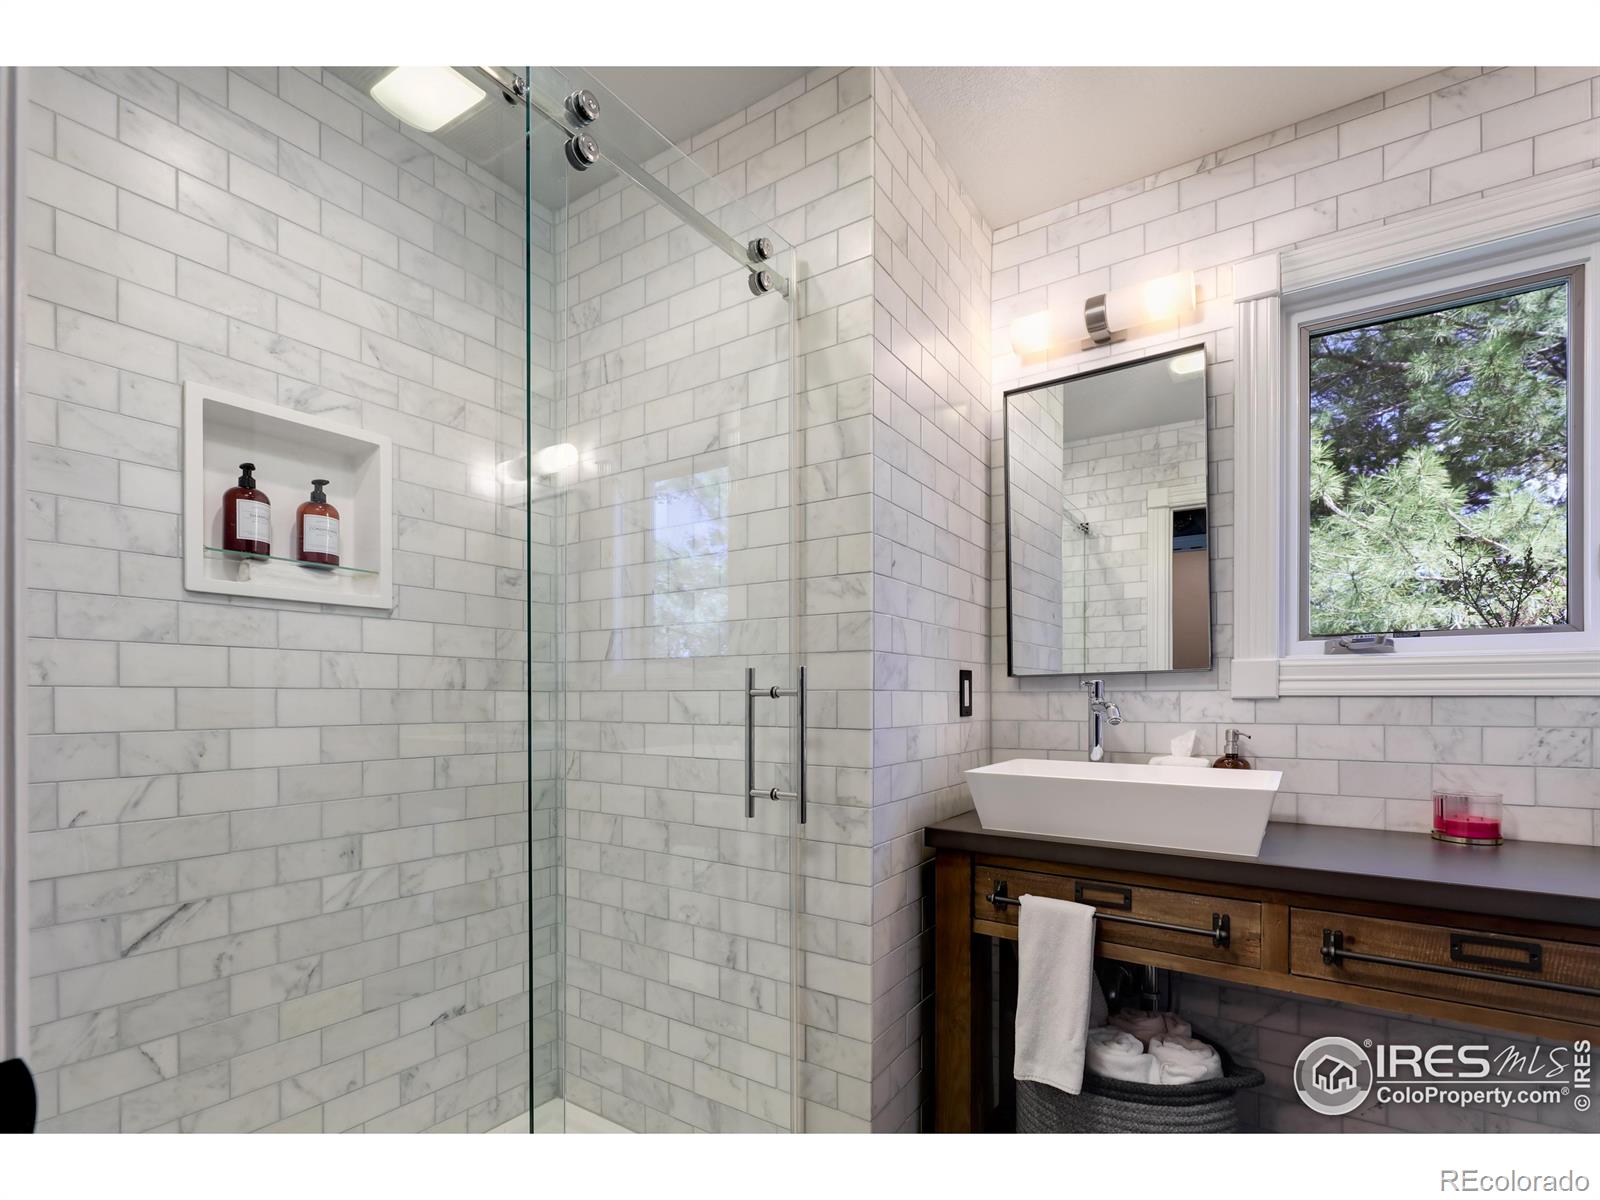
(1056, 990)
(1185, 1059)
(1145, 1026)
(1117, 1054)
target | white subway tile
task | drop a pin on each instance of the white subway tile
(1481, 171)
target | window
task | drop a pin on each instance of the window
(1440, 447)
(1414, 427)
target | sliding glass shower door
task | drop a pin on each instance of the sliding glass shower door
(666, 796)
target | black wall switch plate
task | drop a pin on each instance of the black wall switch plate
(964, 694)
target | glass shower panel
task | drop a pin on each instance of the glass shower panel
(544, 472)
(677, 579)
(288, 873)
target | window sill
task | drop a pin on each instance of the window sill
(1550, 673)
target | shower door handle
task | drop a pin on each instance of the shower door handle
(751, 694)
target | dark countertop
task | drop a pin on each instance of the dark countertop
(1537, 881)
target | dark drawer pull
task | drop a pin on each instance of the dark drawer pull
(1460, 941)
(1220, 933)
(1334, 953)
(1124, 900)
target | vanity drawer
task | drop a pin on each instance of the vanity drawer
(1210, 927)
(1447, 962)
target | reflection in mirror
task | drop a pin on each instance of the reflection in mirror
(1107, 527)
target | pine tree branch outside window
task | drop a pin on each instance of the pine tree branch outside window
(1440, 437)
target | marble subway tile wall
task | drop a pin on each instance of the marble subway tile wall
(931, 537)
(682, 394)
(1040, 534)
(1369, 762)
(279, 851)
(546, 234)
(1107, 480)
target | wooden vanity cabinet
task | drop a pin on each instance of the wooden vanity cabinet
(1483, 952)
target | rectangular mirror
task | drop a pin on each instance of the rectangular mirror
(1107, 531)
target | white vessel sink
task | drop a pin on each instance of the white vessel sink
(1193, 810)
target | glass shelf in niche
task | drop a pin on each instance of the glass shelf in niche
(245, 556)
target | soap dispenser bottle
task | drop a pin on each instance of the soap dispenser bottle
(1231, 758)
(316, 528)
(247, 516)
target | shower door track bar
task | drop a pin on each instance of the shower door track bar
(517, 89)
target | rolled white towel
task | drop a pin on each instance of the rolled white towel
(1145, 1026)
(1174, 760)
(1185, 1059)
(1117, 1054)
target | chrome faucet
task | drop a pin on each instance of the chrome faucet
(1101, 712)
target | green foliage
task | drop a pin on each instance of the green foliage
(1438, 475)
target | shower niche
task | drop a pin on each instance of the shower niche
(289, 449)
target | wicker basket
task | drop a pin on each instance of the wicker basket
(1114, 1106)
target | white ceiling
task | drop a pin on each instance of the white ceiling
(1022, 139)
(1027, 139)
(682, 101)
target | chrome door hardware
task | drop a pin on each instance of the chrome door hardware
(583, 106)
(582, 151)
(761, 249)
(751, 694)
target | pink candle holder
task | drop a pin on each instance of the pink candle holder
(1467, 820)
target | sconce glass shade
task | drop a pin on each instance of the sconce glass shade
(1171, 298)
(1030, 335)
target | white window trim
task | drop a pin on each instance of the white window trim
(1451, 240)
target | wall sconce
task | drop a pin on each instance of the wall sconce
(1106, 318)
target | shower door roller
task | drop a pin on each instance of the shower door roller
(751, 792)
(583, 107)
(762, 282)
(582, 151)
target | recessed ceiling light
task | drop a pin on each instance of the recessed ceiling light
(426, 97)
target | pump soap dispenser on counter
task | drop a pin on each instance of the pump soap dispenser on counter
(1231, 759)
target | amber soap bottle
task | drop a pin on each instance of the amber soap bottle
(1231, 758)
(247, 516)
(316, 528)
